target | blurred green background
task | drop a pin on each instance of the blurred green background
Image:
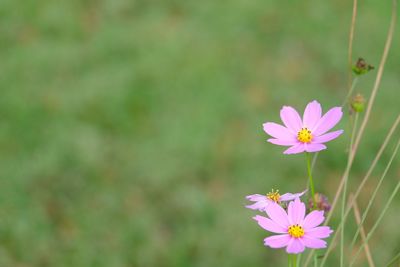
(131, 130)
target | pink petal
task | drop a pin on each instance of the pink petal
(291, 119)
(256, 197)
(277, 214)
(260, 205)
(328, 121)
(295, 246)
(313, 242)
(281, 142)
(290, 196)
(269, 225)
(327, 137)
(278, 131)
(312, 114)
(295, 149)
(296, 211)
(319, 232)
(314, 147)
(277, 241)
(313, 219)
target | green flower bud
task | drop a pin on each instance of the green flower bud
(361, 67)
(358, 103)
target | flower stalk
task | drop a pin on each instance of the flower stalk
(311, 181)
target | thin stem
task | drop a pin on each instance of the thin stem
(330, 247)
(294, 260)
(371, 200)
(370, 102)
(353, 85)
(345, 192)
(350, 84)
(375, 88)
(311, 179)
(393, 260)
(396, 189)
(351, 37)
(314, 160)
(289, 260)
(299, 259)
(362, 231)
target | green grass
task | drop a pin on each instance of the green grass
(130, 131)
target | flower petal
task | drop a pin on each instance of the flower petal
(278, 131)
(256, 197)
(313, 242)
(313, 219)
(295, 246)
(312, 114)
(269, 225)
(314, 147)
(281, 142)
(327, 137)
(298, 148)
(277, 214)
(319, 232)
(259, 205)
(296, 211)
(328, 121)
(277, 241)
(290, 196)
(291, 119)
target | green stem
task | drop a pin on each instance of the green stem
(294, 260)
(393, 260)
(353, 85)
(311, 179)
(357, 193)
(364, 242)
(378, 221)
(373, 196)
(342, 217)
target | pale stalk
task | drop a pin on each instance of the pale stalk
(375, 226)
(350, 47)
(357, 216)
(368, 110)
(343, 219)
(356, 194)
(353, 85)
(370, 103)
(363, 182)
(373, 196)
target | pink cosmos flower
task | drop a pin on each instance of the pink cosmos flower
(307, 134)
(295, 232)
(272, 197)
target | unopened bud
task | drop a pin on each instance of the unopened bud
(321, 202)
(361, 67)
(358, 103)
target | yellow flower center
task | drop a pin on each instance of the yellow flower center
(296, 231)
(304, 135)
(274, 196)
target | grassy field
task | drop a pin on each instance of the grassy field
(130, 131)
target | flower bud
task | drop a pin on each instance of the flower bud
(361, 67)
(321, 202)
(358, 103)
